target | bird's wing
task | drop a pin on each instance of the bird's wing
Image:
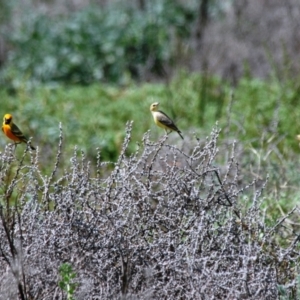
(165, 120)
(18, 133)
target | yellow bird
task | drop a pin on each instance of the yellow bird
(12, 131)
(162, 120)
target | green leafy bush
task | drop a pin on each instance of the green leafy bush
(107, 44)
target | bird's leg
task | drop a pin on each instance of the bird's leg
(167, 132)
(14, 147)
(162, 137)
(16, 144)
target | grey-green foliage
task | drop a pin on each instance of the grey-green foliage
(165, 223)
(97, 43)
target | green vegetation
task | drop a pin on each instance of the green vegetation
(66, 283)
(261, 114)
(97, 43)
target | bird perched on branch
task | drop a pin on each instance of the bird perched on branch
(13, 132)
(162, 120)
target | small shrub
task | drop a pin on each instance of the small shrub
(164, 223)
(66, 282)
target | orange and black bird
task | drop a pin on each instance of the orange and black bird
(13, 132)
(162, 120)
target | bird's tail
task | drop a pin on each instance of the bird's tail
(179, 132)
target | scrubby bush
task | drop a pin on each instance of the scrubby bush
(165, 223)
